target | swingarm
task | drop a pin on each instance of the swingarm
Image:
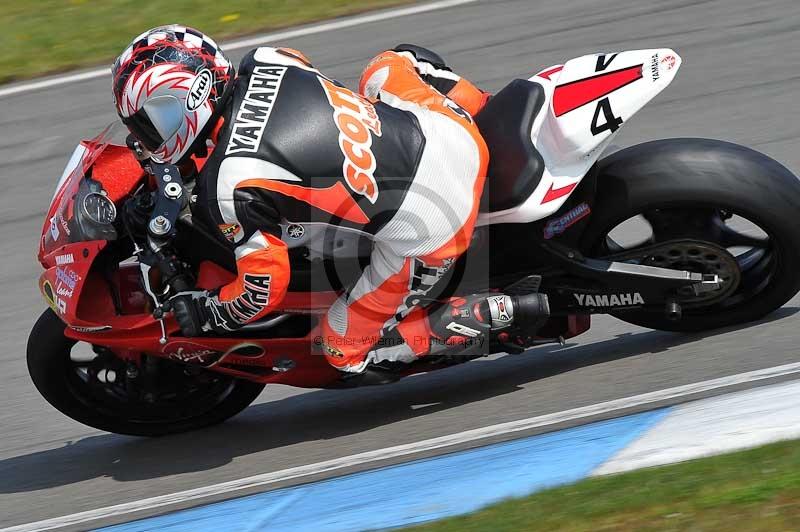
(579, 284)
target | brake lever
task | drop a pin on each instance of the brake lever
(160, 309)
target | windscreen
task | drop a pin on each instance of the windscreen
(61, 225)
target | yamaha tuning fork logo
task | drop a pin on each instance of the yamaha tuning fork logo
(295, 231)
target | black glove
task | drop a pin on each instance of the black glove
(189, 308)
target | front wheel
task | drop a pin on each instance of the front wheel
(81, 387)
(708, 207)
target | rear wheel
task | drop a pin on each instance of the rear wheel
(683, 206)
(94, 389)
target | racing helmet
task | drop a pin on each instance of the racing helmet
(170, 84)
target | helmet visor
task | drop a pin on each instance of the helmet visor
(157, 121)
(143, 129)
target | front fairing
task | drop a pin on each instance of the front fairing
(97, 168)
(98, 293)
(72, 238)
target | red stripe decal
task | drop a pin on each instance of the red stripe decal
(577, 93)
(547, 73)
(555, 193)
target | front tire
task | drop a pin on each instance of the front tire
(83, 399)
(684, 187)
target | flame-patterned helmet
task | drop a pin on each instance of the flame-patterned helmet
(168, 84)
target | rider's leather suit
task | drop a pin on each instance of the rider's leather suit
(400, 162)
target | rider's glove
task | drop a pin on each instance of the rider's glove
(191, 312)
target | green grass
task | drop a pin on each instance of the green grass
(45, 36)
(754, 490)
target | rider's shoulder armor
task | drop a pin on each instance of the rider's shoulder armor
(315, 134)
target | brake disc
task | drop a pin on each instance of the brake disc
(694, 256)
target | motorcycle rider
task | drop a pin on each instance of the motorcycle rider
(401, 161)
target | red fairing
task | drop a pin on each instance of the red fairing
(90, 312)
(113, 166)
(116, 313)
(210, 276)
(85, 301)
(577, 324)
(65, 284)
(118, 170)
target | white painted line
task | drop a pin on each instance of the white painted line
(265, 479)
(256, 41)
(721, 424)
(52, 82)
(345, 23)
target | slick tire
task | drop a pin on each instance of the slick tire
(48, 357)
(690, 173)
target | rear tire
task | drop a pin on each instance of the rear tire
(698, 174)
(49, 365)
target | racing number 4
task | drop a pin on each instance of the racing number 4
(611, 122)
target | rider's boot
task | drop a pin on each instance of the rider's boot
(481, 323)
(469, 327)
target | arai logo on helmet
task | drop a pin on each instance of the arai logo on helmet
(201, 88)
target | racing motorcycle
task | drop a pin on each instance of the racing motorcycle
(717, 246)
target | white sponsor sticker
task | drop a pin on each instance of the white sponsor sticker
(613, 300)
(201, 89)
(66, 258)
(255, 109)
(54, 228)
(463, 330)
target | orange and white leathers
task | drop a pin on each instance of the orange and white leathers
(378, 318)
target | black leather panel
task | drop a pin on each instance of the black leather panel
(299, 133)
(423, 54)
(515, 166)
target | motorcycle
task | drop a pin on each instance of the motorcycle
(719, 248)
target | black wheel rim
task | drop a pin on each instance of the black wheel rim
(180, 393)
(748, 241)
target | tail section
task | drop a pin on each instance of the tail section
(587, 101)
